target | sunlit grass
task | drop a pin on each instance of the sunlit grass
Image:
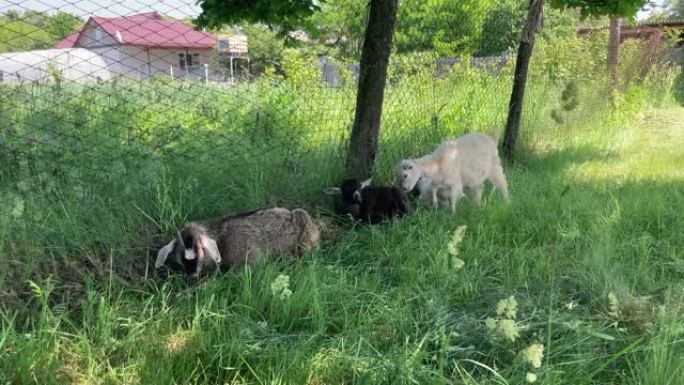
(641, 154)
(584, 266)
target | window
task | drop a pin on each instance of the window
(193, 60)
(189, 60)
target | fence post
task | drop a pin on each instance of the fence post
(613, 56)
(171, 71)
(231, 70)
(206, 73)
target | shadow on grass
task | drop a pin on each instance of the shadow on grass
(554, 161)
(539, 200)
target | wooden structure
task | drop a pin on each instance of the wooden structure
(653, 33)
(646, 30)
(231, 47)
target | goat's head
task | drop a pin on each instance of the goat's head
(408, 174)
(350, 189)
(192, 250)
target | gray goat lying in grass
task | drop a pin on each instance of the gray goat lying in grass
(201, 247)
(467, 161)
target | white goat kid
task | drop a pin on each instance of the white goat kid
(464, 162)
(435, 175)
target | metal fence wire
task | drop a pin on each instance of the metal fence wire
(120, 120)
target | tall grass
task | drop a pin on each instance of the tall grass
(96, 177)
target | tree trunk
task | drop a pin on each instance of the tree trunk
(532, 26)
(371, 90)
(613, 50)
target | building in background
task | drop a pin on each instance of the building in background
(144, 45)
(69, 64)
(136, 47)
(231, 48)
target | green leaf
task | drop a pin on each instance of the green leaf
(603, 336)
(622, 8)
(287, 14)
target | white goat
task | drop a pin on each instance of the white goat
(464, 162)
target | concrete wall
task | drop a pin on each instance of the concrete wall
(72, 64)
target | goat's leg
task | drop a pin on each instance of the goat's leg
(449, 191)
(435, 202)
(477, 193)
(498, 179)
(455, 194)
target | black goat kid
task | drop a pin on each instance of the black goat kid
(369, 204)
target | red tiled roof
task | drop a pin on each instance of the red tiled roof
(68, 42)
(149, 30)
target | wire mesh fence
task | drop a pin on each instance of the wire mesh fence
(120, 120)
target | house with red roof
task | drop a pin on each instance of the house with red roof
(144, 45)
(137, 46)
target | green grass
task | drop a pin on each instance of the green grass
(588, 217)
(109, 170)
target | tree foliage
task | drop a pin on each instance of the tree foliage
(621, 8)
(504, 22)
(340, 24)
(265, 47)
(16, 35)
(287, 14)
(450, 28)
(34, 30)
(501, 27)
(446, 27)
(61, 24)
(675, 8)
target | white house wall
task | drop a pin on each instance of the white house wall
(112, 58)
(93, 36)
(140, 63)
(72, 64)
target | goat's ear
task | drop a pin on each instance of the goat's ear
(332, 191)
(211, 248)
(366, 182)
(163, 253)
